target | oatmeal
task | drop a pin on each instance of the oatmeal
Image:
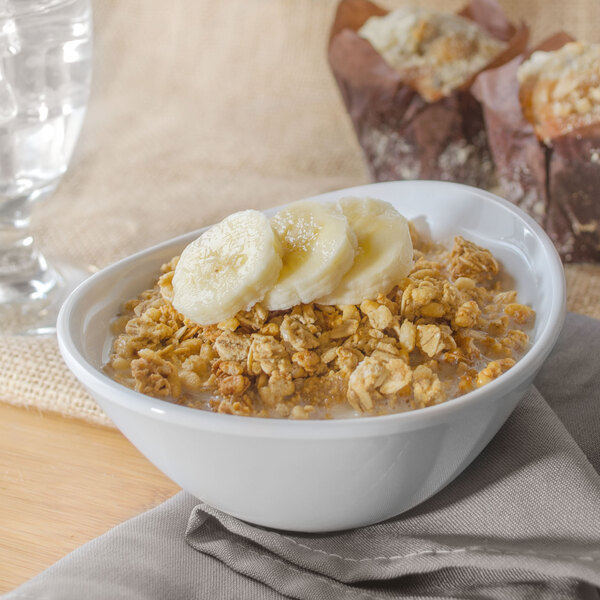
(445, 329)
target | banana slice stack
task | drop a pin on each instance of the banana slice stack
(328, 253)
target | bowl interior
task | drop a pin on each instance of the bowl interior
(439, 208)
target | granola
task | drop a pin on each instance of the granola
(444, 330)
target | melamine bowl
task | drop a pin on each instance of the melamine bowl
(316, 476)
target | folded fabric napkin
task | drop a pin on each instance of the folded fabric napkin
(523, 521)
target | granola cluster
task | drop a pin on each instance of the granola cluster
(444, 330)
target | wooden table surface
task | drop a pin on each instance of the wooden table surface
(64, 482)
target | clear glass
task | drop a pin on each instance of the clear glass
(45, 74)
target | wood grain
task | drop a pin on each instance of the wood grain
(62, 483)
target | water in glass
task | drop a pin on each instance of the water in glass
(45, 54)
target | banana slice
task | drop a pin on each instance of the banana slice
(384, 254)
(318, 248)
(227, 269)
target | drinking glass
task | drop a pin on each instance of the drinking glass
(45, 73)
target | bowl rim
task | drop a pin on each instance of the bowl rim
(98, 382)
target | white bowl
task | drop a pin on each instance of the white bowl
(325, 475)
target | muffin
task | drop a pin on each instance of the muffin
(542, 113)
(559, 91)
(435, 53)
(405, 78)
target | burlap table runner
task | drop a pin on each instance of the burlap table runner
(199, 109)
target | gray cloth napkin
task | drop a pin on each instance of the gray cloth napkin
(523, 521)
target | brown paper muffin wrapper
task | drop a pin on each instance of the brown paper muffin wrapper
(402, 135)
(557, 184)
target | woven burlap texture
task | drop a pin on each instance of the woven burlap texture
(199, 109)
